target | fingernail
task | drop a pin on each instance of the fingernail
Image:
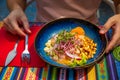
(24, 34)
(29, 31)
(101, 31)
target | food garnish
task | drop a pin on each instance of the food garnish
(71, 48)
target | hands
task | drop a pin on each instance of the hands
(17, 18)
(13, 21)
(114, 23)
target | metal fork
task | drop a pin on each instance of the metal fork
(25, 53)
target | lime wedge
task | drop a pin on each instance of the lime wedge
(116, 53)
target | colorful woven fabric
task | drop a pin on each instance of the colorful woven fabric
(107, 69)
(101, 71)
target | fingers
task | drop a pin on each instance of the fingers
(115, 38)
(12, 26)
(25, 24)
(17, 29)
(107, 26)
(113, 42)
(110, 23)
(8, 28)
(13, 21)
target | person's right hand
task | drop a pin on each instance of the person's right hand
(16, 22)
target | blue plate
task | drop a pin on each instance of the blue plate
(56, 26)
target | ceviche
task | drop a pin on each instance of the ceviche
(71, 48)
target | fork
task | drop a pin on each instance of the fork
(25, 53)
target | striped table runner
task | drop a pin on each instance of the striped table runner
(105, 70)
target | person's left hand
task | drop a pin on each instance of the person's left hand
(114, 23)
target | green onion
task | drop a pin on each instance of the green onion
(64, 36)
